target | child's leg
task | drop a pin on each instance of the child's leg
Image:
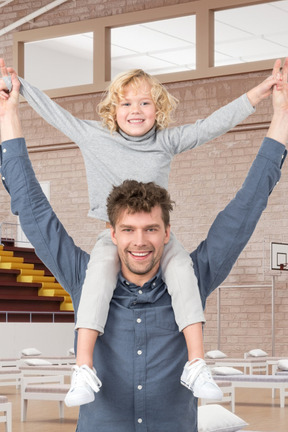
(85, 345)
(194, 341)
(97, 291)
(99, 284)
(182, 285)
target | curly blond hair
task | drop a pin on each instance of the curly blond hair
(164, 102)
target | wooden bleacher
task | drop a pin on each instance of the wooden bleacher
(28, 290)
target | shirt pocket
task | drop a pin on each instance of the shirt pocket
(165, 320)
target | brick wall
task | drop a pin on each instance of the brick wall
(202, 182)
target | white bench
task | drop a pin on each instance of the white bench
(6, 409)
(10, 376)
(46, 370)
(55, 360)
(251, 364)
(9, 361)
(279, 382)
(43, 388)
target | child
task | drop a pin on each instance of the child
(133, 141)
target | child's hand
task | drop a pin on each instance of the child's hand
(9, 105)
(4, 92)
(264, 89)
(278, 129)
(280, 91)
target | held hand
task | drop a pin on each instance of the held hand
(10, 125)
(9, 105)
(264, 89)
(278, 129)
(280, 91)
(4, 72)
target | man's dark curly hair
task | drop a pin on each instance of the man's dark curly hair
(137, 197)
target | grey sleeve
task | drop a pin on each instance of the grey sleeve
(188, 136)
(50, 111)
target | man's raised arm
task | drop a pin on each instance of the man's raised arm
(233, 227)
(10, 126)
(52, 243)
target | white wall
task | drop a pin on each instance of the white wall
(49, 338)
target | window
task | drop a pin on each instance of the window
(158, 47)
(61, 62)
(251, 33)
(182, 42)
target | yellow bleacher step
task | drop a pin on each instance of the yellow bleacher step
(31, 272)
(67, 299)
(16, 266)
(5, 253)
(35, 279)
(53, 285)
(66, 306)
(11, 259)
(51, 292)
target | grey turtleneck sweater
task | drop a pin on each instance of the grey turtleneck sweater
(112, 158)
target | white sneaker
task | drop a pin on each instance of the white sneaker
(84, 383)
(196, 376)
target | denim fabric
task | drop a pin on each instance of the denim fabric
(141, 355)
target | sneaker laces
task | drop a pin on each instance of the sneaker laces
(195, 367)
(84, 374)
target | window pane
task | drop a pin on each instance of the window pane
(158, 47)
(251, 33)
(60, 62)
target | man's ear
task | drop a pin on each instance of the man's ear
(167, 234)
(113, 235)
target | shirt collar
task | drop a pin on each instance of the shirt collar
(154, 280)
(130, 295)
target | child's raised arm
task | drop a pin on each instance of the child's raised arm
(49, 110)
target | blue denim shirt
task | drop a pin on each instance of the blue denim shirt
(141, 355)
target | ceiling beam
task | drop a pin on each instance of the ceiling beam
(31, 16)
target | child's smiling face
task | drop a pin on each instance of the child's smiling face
(136, 112)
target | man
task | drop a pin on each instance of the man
(141, 355)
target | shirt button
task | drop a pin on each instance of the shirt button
(140, 420)
(139, 352)
(140, 387)
(4, 150)
(139, 320)
(140, 292)
(3, 178)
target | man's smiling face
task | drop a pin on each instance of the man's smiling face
(140, 239)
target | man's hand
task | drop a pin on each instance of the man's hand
(265, 88)
(10, 125)
(4, 72)
(278, 129)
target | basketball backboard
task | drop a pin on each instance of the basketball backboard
(279, 256)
